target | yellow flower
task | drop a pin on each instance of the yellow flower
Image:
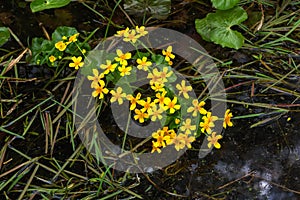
(96, 78)
(171, 105)
(133, 100)
(155, 77)
(61, 46)
(208, 123)
(155, 147)
(188, 140)
(83, 51)
(121, 32)
(178, 142)
(160, 97)
(141, 31)
(177, 121)
(130, 36)
(158, 87)
(160, 137)
(140, 115)
(227, 118)
(117, 95)
(108, 67)
(124, 70)
(146, 104)
(64, 38)
(100, 89)
(209, 117)
(206, 126)
(168, 54)
(165, 74)
(122, 57)
(52, 58)
(76, 62)
(213, 140)
(155, 113)
(184, 89)
(143, 64)
(197, 107)
(187, 127)
(170, 133)
(73, 38)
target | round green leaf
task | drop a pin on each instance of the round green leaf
(63, 31)
(39, 5)
(4, 35)
(227, 38)
(224, 4)
(203, 28)
(227, 18)
(216, 27)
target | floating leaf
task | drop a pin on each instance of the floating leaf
(4, 35)
(159, 9)
(216, 27)
(39, 5)
(224, 4)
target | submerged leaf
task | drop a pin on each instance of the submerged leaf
(224, 4)
(159, 9)
(39, 5)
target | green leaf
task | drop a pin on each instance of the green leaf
(203, 28)
(141, 55)
(224, 4)
(227, 18)
(39, 5)
(63, 31)
(216, 27)
(159, 9)
(227, 38)
(157, 59)
(4, 35)
(94, 59)
(40, 49)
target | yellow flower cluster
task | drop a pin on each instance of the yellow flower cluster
(121, 66)
(208, 124)
(62, 45)
(132, 35)
(187, 130)
(164, 101)
(167, 136)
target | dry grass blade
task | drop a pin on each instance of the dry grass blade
(14, 61)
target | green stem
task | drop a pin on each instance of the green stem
(126, 131)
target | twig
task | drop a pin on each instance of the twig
(236, 180)
(16, 38)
